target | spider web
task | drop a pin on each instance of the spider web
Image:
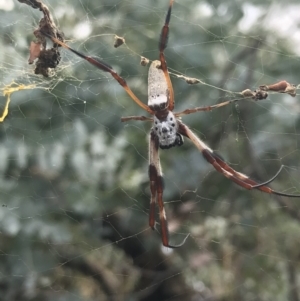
(74, 181)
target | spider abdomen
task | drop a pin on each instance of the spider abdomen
(158, 93)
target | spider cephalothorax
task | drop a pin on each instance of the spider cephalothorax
(167, 130)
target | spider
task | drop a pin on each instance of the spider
(168, 130)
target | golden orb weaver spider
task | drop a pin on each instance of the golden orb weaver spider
(168, 130)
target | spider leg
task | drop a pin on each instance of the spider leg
(270, 180)
(140, 118)
(154, 171)
(258, 94)
(222, 167)
(104, 67)
(208, 108)
(162, 46)
(156, 188)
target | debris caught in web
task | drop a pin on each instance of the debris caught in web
(47, 58)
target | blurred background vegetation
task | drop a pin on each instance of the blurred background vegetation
(74, 189)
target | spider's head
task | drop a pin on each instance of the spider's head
(166, 131)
